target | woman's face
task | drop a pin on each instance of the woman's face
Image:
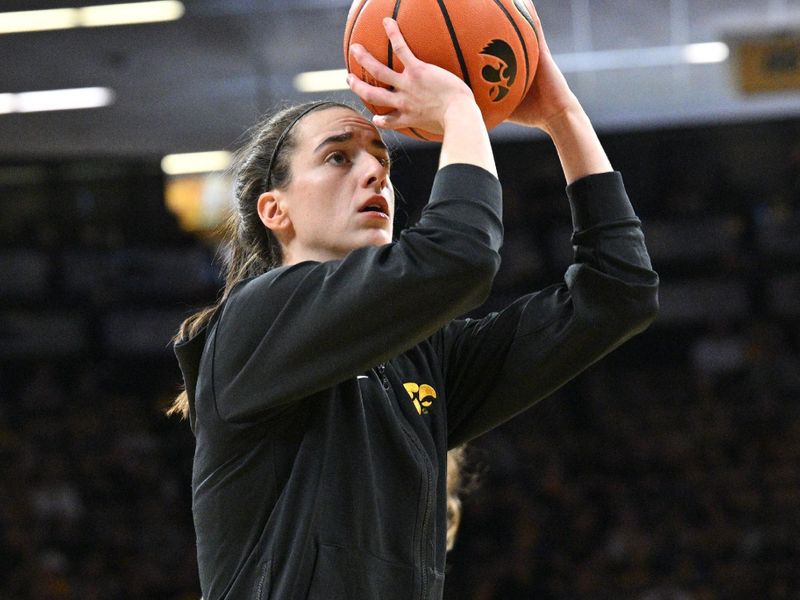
(339, 197)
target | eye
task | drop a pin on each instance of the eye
(337, 158)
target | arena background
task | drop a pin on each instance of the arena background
(667, 471)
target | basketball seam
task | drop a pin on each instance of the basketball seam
(456, 46)
(389, 53)
(521, 39)
(350, 33)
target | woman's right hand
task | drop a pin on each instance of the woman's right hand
(427, 97)
(421, 95)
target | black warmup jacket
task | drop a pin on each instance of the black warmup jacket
(324, 396)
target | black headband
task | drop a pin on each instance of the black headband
(286, 131)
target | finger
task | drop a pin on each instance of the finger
(399, 46)
(532, 10)
(537, 22)
(371, 94)
(376, 68)
(387, 121)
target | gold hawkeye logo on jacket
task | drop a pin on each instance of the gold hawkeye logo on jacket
(421, 395)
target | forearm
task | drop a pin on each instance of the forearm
(504, 363)
(465, 137)
(577, 144)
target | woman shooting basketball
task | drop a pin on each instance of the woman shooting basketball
(327, 385)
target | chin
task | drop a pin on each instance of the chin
(378, 238)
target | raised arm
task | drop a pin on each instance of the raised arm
(498, 366)
(552, 107)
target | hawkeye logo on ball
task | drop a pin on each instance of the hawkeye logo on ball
(500, 69)
(421, 395)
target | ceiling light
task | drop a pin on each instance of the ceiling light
(132, 13)
(196, 162)
(632, 58)
(711, 52)
(321, 81)
(6, 103)
(68, 99)
(91, 16)
(38, 20)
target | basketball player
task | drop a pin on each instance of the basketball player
(327, 385)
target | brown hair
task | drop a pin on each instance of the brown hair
(461, 480)
(251, 248)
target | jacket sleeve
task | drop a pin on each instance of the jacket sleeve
(300, 329)
(497, 366)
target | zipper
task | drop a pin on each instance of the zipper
(425, 524)
(382, 375)
(426, 517)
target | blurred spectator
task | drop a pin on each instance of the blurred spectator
(718, 353)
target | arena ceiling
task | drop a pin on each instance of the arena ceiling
(196, 83)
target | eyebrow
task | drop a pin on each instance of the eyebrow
(346, 137)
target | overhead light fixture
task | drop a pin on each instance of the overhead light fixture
(576, 62)
(6, 103)
(711, 52)
(321, 81)
(49, 100)
(38, 20)
(636, 58)
(132, 13)
(196, 162)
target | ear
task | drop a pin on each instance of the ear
(273, 213)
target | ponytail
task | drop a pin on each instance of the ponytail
(251, 248)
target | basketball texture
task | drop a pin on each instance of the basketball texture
(490, 44)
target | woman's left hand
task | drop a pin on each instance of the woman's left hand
(549, 96)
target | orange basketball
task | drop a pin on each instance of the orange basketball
(490, 44)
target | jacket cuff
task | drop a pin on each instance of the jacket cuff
(460, 180)
(599, 198)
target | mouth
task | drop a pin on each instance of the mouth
(376, 205)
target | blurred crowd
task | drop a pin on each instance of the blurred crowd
(641, 480)
(668, 471)
(94, 481)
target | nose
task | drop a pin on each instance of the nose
(375, 173)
